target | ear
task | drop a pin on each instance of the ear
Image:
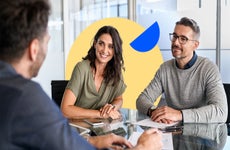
(196, 44)
(33, 49)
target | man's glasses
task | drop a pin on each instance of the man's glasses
(182, 39)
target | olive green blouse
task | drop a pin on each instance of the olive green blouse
(82, 85)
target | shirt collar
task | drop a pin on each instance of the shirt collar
(6, 69)
(191, 62)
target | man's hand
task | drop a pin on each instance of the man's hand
(150, 140)
(110, 141)
(166, 114)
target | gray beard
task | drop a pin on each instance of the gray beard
(179, 57)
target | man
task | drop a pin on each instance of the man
(190, 84)
(29, 119)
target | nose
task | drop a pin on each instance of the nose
(106, 48)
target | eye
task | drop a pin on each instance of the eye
(175, 36)
(100, 43)
(182, 38)
(110, 46)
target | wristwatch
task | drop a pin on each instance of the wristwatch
(150, 110)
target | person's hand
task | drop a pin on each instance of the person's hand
(166, 114)
(150, 140)
(110, 141)
(106, 109)
(167, 121)
(114, 114)
(109, 111)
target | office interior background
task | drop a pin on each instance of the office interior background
(70, 17)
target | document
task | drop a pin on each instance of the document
(166, 140)
(149, 123)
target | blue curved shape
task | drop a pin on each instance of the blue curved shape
(147, 39)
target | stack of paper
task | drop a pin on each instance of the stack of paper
(149, 123)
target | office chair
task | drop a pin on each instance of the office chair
(57, 89)
(227, 91)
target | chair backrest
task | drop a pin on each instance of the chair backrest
(227, 91)
(57, 89)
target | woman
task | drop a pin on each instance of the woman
(96, 85)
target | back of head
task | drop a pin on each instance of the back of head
(21, 21)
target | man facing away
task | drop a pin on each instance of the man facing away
(29, 119)
(190, 84)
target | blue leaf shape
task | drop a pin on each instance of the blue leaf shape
(147, 40)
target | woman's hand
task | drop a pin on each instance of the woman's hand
(109, 110)
(106, 109)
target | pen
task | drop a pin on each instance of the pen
(171, 129)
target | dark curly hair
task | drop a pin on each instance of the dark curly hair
(116, 64)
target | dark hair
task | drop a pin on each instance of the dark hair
(114, 66)
(21, 21)
(192, 24)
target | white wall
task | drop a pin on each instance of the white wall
(64, 26)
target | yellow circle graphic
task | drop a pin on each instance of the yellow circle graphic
(140, 67)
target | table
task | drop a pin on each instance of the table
(193, 136)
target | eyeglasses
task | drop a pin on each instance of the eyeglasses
(182, 39)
